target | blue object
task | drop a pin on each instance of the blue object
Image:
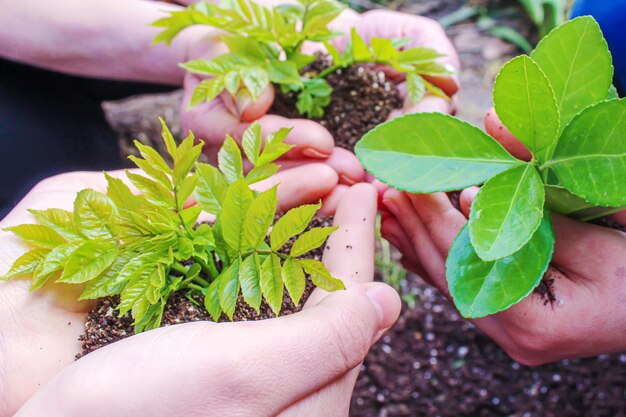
(611, 15)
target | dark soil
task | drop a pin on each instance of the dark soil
(362, 98)
(103, 326)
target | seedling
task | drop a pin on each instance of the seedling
(557, 102)
(265, 46)
(145, 247)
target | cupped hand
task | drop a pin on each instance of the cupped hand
(303, 364)
(39, 330)
(588, 267)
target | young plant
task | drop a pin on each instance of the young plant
(145, 247)
(555, 102)
(265, 45)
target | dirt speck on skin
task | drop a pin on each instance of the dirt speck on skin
(362, 98)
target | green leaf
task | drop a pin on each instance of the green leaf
(231, 81)
(259, 218)
(255, 79)
(612, 93)
(294, 280)
(560, 200)
(576, 59)
(91, 213)
(110, 282)
(360, 50)
(153, 191)
(229, 160)
(482, 288)
(61, 221)
(320, 275)
(311, 239)
(526, 105)
(212, 300)
(590, 158)
(261, 172)
(415, 87)
(430, 152)
(251, 142)
(87, 262)
(271, 283)
(135, 291)
(294, 222)
(284, 72)
(238, 199)
(37, 234)
(229, 289)
(26, 264)
(414, 56)
(121, 195)
(506, 212)
(383, 50)
(211, 188)
(206, 91)
(56, 258)
(249, 276)
(333, 52)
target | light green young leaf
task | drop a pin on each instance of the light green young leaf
(590, 158)
(415, 87)
(525, 103)
(121, 195)
(91, 213)
(229, 289)
(238, 199)
(422, 153)
(333, 52)
(256, 79)
(37, 234)
(284, 72)
(59, 220)
(206, 67)
(320, 275)
(251, 142)
(26, 264)
(88, 261)
(39, 281)
(150, 169)
(271, 283)
(506, 212)
(211, 188)
(109, 282)
(170, 143)
(135, 291)
(294, 222)
(311, 239)
(294, 279)
(383, 50)
(153, 191)
(436, 91)
(249, 276)
(414, 56)
(261, 172)
(259, 218)
(576, 59)
(56, 258)
(360, 50)
(560, 200)
(212, 300)
(229, 160)
(206, 91)
(482, 288)
(232, 80)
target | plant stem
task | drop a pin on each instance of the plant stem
(210, 269)
(178, 267)
(201, 281)
(195, 287)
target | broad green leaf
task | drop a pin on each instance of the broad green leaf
(87, 262)
(284, 72)
(249, 277)
(294, 222)
(320, 275)
(156, 164)
(259, 218)
(56, 258)
(430, 152)
(311, 239)
(26, 264)
(229, 289)
(109, 282)
(413, 56)
(238, 199)
(383, 50)
(271, 283)
(294, 279)
(360, 50)
(261, 172)
(482, 288)
(212, 300)
(135, 291)
(211, 188)
(251, 142)
(525, 103)
(204, 67)
(37, 234)
(506, 212)
(255, 79)
(246, 47)
(590, 158)
(121, 195)
(206, 91)
(560, 200)
(59, 220)
(415, 87)
(229, 160)
(576, 59)
(153, 191)
(185, 189)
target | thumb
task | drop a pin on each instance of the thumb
(247, 109)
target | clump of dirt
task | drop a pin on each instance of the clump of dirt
(104, 326)
(362, 99)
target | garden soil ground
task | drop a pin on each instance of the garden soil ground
(433, 362)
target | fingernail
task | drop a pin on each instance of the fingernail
(314, 153)
(391, 206)
(242, 100)
(343, 178)
(454, 74)
(385, 299)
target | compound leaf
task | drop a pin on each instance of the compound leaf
(292, 223)
(311, 239)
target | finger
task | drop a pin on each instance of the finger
(466, 199)
(427, 104)
(349, 253)
(391, 230)
(293, 191)
(499, 132)
(619, 217)
(245, 107)
(331, 201)
(343, 161)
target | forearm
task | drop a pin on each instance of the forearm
(98, 38)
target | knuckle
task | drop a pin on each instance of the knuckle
(350, 338)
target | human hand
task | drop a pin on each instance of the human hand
(39, 330)
(303, 364)
(588, 269)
